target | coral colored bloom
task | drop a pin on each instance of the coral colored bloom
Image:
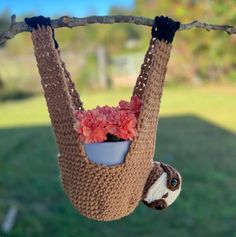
(95, 125)
(126, 127)
(91, 126)
(124, 105)
(134, 105)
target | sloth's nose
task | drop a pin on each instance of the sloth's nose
(160, 204)
(160, 207)
(157, 204)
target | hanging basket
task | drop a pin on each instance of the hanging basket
(99, 191)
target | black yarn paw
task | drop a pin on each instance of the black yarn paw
(164, 28)
(33, 22)
(36, 21)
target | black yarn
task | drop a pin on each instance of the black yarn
(164, 28)
(36, 21)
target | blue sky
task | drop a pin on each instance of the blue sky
(52, 7)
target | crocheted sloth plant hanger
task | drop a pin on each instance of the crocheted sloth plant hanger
(109, 192)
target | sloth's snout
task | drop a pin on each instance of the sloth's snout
(159, 204)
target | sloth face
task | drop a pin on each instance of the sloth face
(163, 186)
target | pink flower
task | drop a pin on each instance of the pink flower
(91, 126)
(126, 127)
(124, 105)
(134, 105)
(94, 125)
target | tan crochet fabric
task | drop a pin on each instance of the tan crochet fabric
(97, 191)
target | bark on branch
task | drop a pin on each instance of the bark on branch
(66, 21)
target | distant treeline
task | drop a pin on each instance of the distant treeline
(198, 56)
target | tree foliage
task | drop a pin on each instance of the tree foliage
(197, 55)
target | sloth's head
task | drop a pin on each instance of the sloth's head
(162, 187)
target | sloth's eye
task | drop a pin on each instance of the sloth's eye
(174, 182)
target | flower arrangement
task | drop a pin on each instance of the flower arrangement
(107, 124)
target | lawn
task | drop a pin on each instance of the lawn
(197, 135)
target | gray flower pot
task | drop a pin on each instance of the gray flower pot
(107, 153)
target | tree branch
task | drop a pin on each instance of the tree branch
(66, 21)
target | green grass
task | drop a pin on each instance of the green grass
(215, 104)
(197, 135)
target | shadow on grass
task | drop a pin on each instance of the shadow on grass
(204, 153)
(15, 95)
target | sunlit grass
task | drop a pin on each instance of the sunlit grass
(214, 103)
(202, 151)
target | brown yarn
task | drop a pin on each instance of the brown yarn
(97, 191)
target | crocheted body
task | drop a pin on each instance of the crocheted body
(100, 192)
(109, 193)
(105, 193)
